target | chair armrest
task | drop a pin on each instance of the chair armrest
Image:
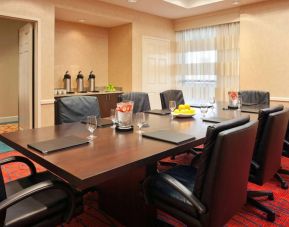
(40, 187)
(255, 165)
(286, 144)
(178, 186)
(19, 159)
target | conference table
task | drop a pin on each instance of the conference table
(115, 162)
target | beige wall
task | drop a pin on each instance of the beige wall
(142, 25)
(9, 65)
(43, 13)
(264, 45)
(80, 47)
(120, 56)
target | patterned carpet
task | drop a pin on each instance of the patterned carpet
(7, 128)
(247, 216)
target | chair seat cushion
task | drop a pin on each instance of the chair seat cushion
(37, 207)
(162, 191)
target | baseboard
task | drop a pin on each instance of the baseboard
(4, 120)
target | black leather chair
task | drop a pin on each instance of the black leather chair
(285, 152)
(286, 143)
(255, 97)
(171, 95)
(269, 145)
(40, 199)
(267, 154)
(75, 108)
(212, 193)
(140, 99)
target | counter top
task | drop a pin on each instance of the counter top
(88, 93)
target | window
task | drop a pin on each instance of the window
(206, 62)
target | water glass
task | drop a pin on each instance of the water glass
(91, 124)
(172, 107)
(140, 120)
(212, 101)
(204, 110)
(112, 115)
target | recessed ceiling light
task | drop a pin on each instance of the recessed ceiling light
(236, 2)
(81, 20)
(132, 1)
(192, 3)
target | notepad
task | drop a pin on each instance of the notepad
(169, 136)
(158, 112)
(48, 146)
(101, 122)
(250, 110)
(215, 119)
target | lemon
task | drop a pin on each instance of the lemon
(182, 107)
(187, 106)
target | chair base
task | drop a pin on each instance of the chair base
(250, 199)
(284, 184)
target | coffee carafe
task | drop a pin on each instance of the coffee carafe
(91, 82)
(79, 82)
(67, 82)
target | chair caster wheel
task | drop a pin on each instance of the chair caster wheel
(271, 217)
(271, 197)
(284, 185)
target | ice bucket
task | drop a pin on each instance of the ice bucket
(233, 99)
(124, 112)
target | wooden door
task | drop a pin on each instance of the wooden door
(26, 77)
(156, 68)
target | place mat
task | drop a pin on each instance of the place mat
(48, 146)
(168, 136)
(250, 110)
(101, 122)
(215, 119)
(158, 112)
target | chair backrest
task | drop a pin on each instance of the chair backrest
(171, 95)
(140, 99)
(211, 136)
(263, 118)
(2, 197)
(268, 151)
(75, 108)
(286, 143)
(225, 186)
(257, 97)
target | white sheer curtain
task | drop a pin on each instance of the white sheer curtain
(208, 62)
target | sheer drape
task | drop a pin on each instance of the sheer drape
(208, 62)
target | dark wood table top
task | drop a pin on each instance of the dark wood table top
(111, 153)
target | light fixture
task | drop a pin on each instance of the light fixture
(132, 1)
(236, 2)
(81, 20)
(188, 4)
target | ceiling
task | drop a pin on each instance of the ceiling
(167, 10)
(156, 7)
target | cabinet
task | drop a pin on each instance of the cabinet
(107, 102)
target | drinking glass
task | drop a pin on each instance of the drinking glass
(91, 125)
(212, 101)
(112, 115)
(204, 109)
(140, 120)
(172, 106)
(239, 102)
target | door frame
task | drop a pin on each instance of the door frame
(37, 25)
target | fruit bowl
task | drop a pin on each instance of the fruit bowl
(184, 111)
(183, 115)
